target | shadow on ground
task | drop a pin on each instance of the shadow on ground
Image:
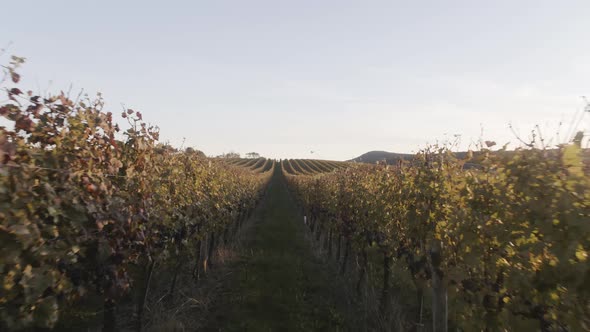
(277, 283)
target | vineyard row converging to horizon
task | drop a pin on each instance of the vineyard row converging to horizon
(88, 208)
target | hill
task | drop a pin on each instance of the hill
(373, 157)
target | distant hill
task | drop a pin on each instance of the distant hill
(373, 157)
(392, 158)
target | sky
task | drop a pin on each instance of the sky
(315, 79)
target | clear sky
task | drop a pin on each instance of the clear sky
(340, 78)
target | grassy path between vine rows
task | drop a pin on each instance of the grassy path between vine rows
(278, 284)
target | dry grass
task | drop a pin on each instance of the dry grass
(188, 309)
(193, 301)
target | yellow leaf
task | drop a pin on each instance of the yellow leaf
(581, 254)
(28, 271)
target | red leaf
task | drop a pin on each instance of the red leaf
(15, 91)
(15, 77)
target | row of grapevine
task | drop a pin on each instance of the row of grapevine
(287, 169)
(297, 168)
(497, 247)
(258, 165)
(311, 166)
(307, 168)
(321, 166)
(85, 204)
(251, 163)
(268, 165)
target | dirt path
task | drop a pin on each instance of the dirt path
(277, 284)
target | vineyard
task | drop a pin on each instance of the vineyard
(501, 246)
(100, 223)
(89, 209)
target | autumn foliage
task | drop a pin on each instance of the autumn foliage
(503, 241)
(82, 199)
